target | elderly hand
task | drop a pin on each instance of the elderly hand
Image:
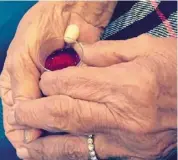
(39, 31)
(127, 100)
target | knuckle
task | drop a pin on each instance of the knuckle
(146, 125)
(80, 119)
(61, 106)
(38, 150)
(73, 151)
(20, 115)
(83, 118)
(58, 114)
(62, 82)
(52, 83)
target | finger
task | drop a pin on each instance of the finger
(62, 113)
(68, 147)
(55, 147)
(20, 79)
(28, 89)
(106, 53)
(15, 135)
(22, 70)
(24, 79)
(40, 37)
(87, 83)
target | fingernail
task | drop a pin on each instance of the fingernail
(30, 135)
(71, 33)
(27, 136)
(11, 118)
(22, 153)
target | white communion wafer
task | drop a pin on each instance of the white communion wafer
(71, 33)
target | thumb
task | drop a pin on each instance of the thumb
(109, 52)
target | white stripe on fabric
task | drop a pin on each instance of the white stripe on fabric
(161, 31)
(138, 11)
(173, 21)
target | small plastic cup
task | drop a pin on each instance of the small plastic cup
(57, 44)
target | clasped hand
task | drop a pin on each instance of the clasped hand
(117, 97)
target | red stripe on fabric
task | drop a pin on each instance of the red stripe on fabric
(164, 20)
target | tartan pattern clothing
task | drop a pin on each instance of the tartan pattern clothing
(158, 18)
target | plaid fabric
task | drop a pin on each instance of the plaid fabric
(158, 18)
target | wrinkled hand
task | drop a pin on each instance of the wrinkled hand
(127, 99)
(39, 32)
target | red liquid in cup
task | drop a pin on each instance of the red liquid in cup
(62, 58)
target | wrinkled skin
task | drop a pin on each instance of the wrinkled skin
(126, 97)
(38, 33)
